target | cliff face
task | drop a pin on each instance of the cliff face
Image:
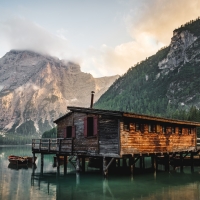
(36, 89)
(164, 82)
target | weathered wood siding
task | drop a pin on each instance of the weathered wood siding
(108, 135)
(86, 145)
(133, 142)
(62, 124)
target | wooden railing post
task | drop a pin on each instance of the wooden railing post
(40, 145)
(59, 145)
(33, 142)
(72, 143)
(49, 146)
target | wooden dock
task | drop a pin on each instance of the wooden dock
(64, 148)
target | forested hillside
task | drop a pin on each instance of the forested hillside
(165, 84)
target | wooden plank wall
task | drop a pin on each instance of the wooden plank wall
(108, 135)
(133, 142)
(83, 144)
(62, 124)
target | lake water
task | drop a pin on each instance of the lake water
(21, 184)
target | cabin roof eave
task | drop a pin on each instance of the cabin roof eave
(125, 114)
(95, 111)
(161, 119)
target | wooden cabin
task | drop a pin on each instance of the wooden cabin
(96, 132)
(109, 137)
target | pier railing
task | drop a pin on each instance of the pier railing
(53, 145)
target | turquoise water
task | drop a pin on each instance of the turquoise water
(20, 183)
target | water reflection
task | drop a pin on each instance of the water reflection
(29, 183)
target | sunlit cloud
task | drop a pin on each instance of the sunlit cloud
(151, 25)
(22, 34)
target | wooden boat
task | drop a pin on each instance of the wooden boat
(20, 159)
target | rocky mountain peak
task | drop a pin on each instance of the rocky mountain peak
(36, 89)
(163, 83)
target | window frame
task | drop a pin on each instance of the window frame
(180, 130)
(72, 132)
(87, 132)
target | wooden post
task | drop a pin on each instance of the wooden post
(33, 164)
(166, 163)
(155, 163)
(40, 145)
(118, 162)
(133, 163)
(58, 163)
(42, 163)
(124, 162)
(105, 170)
(130, 163)
(192, 161)
(152, 162)
(33, 158)
(59, 145)
(65, 164)
(181, 161)
(49, 145)
(83, 164)
(141, 162)
(78, 164)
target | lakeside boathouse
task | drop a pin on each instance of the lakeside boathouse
(110, 136)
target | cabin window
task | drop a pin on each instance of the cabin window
(90, 126)
(189, 131)
(69, 132)
(137, 127)
(180, 130)
(152, 128)
(142, 128)
(164, 129)
(173, 130)
(126, 127)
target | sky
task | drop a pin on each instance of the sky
(105, 37)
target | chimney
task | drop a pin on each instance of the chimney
(92, 98)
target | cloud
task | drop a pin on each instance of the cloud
(112, 61)
(151, 25)
(22, 34)
(160, 17)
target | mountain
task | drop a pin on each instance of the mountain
(36, 89)
(163, 83)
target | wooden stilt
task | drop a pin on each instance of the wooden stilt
(83, 164)
(65, 165)
(124, 162)
(140, 162)
(166, 163)
(152, 162)
(131, 165)
(105, 170)
(33, 158)
(155, 163)
(105, 166)
(181, 162)
(118, 162)
(192, 161)
(42, 163)
(143, 162)
(78, 164)
(58, 163)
